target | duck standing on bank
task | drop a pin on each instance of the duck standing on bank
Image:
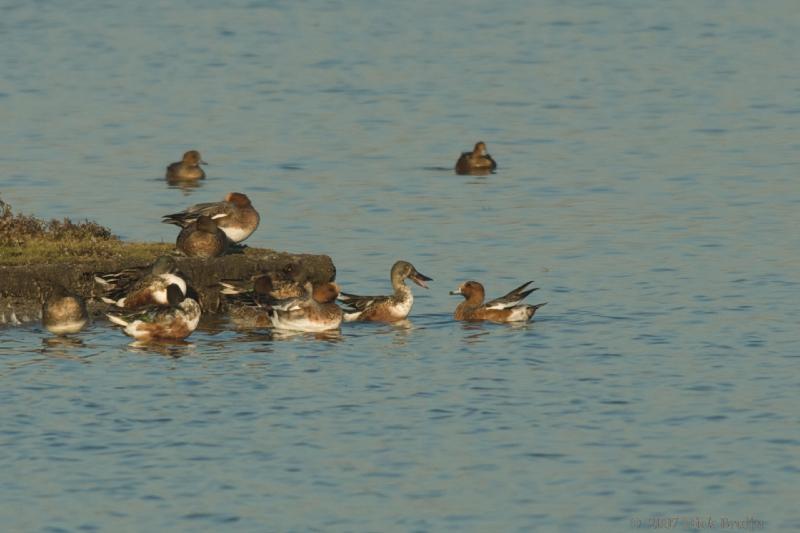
(235, 215)
(188, 168)
(391, 308)
(475, 162)
(64, 312)
(504, 309)
(175, 322)
(202, 238)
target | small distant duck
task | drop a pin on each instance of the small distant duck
(64, 312)
(316, 312)
(386, 308)
(235, 216)
(175, 322)
(504, 309)
(475, 162)
(188, 168)
(138, 287)
(202, 238)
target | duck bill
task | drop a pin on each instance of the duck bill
(455, 292)
(420, 279)
(202, 162)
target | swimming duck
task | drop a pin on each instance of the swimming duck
(235, 216)
(64, 312)
(175, 322)
(504, 309)
(475, 162)
(316, 312)
(386, 308)
(188, 168)
(138, 287)
(202, 238)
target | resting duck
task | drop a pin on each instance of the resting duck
(475, 162)
(202, 238)
(64, 312)
(138, 287)
(188, 168)
(386, 308)
(504, 309)
(316, 312)
(175, 322)
(235, 216)
(288, 282)
(250, 308)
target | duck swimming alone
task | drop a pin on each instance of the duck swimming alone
(188, 168)
(64, 312)
(235, 216)
(386, 308)
(475, 162)
(504, 309)
(142, 286)
(316, 312)
(175, 322)
(202, 238)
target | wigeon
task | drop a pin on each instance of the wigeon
(386, 308)
(252, 307)
(475, 162)
(316, 312)
(235, 216)
(175, 322)
(137, 287)
(504, 309)
(202, 238)
(188, 168)
(64, 312)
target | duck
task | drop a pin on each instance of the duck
(391, 308)
(235, 215)
(250, 308)
(288, 282)
(175, 322)
(202, 238)
(504, 309)
(188, 168)
(312, 313)
(138, 287)
(475, 162)
(64, 312)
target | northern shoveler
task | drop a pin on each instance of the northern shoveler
(504, 309)
(202, 238)
(64, 312)
(475, 162)
(386, 308)
(175, 322)
(235, 216)
(188, 168)
(138, 287)
(316, 312)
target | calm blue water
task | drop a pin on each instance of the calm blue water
(649, 163)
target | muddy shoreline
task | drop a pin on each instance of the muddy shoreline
(22, 287)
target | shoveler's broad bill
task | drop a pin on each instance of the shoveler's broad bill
(235, 215)
(64, 312)
(139, 287)
(475, 162)
(504, 309)
(175, 322)
(202, 238)
(392, 308)
(313, 313)
(188, 168)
